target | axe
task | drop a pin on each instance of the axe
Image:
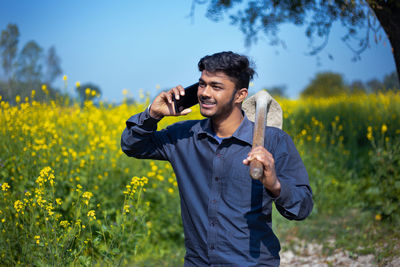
(263, 110)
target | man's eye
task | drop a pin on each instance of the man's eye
(202, 84)
(217, 88)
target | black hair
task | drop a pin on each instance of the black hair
(233, 65)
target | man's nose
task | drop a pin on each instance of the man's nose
(206, 92)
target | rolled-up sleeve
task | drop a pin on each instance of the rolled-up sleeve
(295, 200)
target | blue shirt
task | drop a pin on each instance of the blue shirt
(226, 214)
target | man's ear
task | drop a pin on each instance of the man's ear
(241, 95)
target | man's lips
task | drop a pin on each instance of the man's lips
(207, 103)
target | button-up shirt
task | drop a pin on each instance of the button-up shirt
(226, 214)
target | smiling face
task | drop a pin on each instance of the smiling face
(218, 97)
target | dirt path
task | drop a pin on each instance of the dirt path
(311, 256)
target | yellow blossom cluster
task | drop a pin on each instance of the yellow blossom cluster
(369, 133)
(64, 224)
(134, 184)
(341, 119)
(160, 173)
(92, 215)
(46, 175)
(90, 92)
(19, 206)
(5, 187)
(87, 196)
(126, 208)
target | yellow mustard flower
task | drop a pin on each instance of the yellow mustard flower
(126, 208)
(92, 215)
(59, 201)
(50, 209)
(5, 187)
(19, 206)
(384, 128)
(369, 133)
(87, 195)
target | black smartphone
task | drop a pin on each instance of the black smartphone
(188, 100)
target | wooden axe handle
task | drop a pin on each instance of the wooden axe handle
(256, 167)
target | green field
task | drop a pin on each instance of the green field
(70, 196)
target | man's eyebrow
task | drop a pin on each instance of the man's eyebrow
(211, 83)
(216, 83)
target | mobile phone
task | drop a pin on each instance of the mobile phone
(188, 100)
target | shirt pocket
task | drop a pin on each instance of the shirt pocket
(240, 191)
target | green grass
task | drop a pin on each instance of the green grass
(346, 229)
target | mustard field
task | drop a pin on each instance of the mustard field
(69, 196)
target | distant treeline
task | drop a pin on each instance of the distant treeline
(33, 69)
(326, 84)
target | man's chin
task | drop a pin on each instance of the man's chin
(207, 113)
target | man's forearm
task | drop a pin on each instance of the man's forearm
(138, 138)
(154, 115)
(274, 189)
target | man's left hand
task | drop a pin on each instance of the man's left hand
(269, 179)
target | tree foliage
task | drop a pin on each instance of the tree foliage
(357, 87)
(325, 84)
(8, 47)
(29, 64)
(389, 82)
(255, 16)
(27, 69)
(52, 65)
(359, 17)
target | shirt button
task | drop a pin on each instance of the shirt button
(212, 247)
(214, 201)
(216, 179)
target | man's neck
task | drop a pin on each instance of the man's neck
(227, 126)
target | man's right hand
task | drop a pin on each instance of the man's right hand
(163, 104)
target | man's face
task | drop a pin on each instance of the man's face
(216, 94)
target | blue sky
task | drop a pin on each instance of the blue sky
(153, 44)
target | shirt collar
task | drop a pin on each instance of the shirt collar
(244, 132)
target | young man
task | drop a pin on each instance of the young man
(226, 214)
